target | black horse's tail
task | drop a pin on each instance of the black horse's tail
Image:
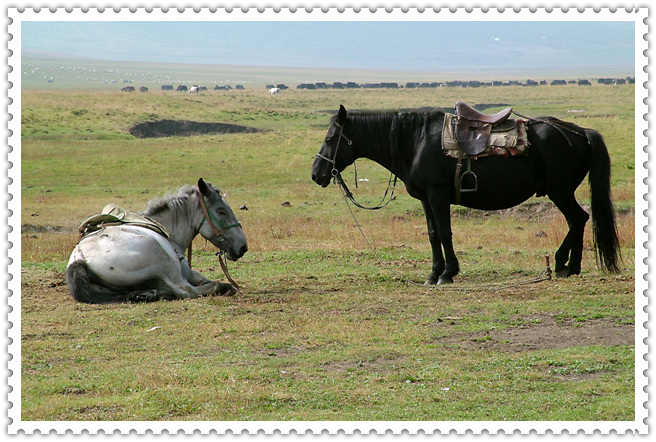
(78, 280)
(604, 228)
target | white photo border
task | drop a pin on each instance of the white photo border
(12, 310)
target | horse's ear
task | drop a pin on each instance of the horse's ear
(203, 187)
(341, 115)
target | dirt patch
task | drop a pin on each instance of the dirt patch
(31, 228)
(547, 334)
(184, 128)
(531, 211)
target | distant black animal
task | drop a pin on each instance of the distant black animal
(128, 89)
(409, 145)
(181, 88)
(167, 87)
(143, 89)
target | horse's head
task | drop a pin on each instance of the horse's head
(220, 225)
(336, 151)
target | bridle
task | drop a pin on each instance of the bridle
(337, 176)
(334, 172)
(209, 216)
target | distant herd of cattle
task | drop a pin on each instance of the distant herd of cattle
(410, 85)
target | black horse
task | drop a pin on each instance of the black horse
(409, 145)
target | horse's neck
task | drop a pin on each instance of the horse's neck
(181, 225)
(374, 144)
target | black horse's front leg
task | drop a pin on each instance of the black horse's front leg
(436, 245)
(441, 221)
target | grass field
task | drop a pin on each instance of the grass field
(324, 329)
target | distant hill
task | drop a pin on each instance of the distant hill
(52, 71)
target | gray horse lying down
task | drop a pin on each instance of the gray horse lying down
(124, 256)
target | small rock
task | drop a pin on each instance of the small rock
(286, 204)
(541, 234)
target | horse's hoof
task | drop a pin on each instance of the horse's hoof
(564, 273)
(445, 280)
(430, 281)
(223, 289)
(149, 296)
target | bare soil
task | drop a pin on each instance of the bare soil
(184, 128)
(547, 333)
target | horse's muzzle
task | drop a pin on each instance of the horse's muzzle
(235, 255)
(323, 182)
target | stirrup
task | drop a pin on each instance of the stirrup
(468, 189)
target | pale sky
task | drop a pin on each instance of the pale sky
(408, 46)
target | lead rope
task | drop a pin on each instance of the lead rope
(224, 267)
(545, 275)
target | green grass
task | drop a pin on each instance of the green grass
(325, 328)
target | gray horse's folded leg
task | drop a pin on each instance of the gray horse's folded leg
(147, 296)
(215, 288)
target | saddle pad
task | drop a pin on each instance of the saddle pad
(113, 215)
(507, 139)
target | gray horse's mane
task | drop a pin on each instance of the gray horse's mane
(173, 201)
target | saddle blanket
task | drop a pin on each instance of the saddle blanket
(113, 215)
(506, 139)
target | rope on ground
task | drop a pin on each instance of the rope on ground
(545, 275)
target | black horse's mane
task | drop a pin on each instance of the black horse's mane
(368, 124)
(400, 127)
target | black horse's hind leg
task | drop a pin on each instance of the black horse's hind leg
(436, 245)
(570, 252)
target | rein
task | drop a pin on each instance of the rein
(209, 217)
(348, 194)
(554, 125)
(337, 177)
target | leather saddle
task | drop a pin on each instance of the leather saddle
(113, 215)
(473, 128)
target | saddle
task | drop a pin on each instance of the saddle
(113, 215)
(473, 128)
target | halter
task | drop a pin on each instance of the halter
(334, 172)
(209, 216)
